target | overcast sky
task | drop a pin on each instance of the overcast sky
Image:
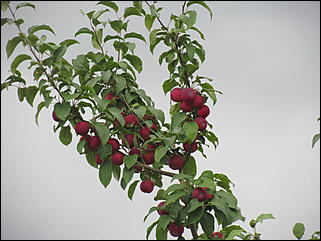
(264, 57)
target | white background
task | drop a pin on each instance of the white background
(264, 56)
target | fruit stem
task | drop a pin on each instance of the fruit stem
(165, 173)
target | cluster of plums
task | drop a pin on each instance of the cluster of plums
(190, 101)
(175, 229)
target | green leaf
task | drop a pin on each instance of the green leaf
(120, 83)
(36, 28)
(181, 176)
(116, 172)
(207, 223)
(168, 85)
(131, 11)
(202, 3)
(130, 160)
(199, 32)
(264, 216)
(315, 139)
(189, 167)
(135, 61)
(12, 44)
(160, 153)
(140, 111)
(4, 5)
(234, 233)
(59, 53)
(117, 114)
(150, 228)
(90, 157)
(190, 69)
(229, 198)
(195, 216)
(210, 91)
(134, 35)
(298, 230)
(117, 25)
(223, 182)
(62, 110)
(158, 113)
(21, 94)
(174, 197)
(106, 75)
(208, 183)
(193, 205)
(149, 20)
(105, 172)
(103, 132)
(152, 36)
(131, 189)
(127, 175)
(191, 130)
(161, 234)
(84, 30)
(30, 94)
(65, 135)
(163, 221)
(109, 4)
(69, 42)
(177, 120)
(173, 188)
(20, 5)
(39, 107)
(18, 60)
(80, 146)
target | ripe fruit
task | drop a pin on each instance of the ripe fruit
(93, 142)
(154, 127)
(217, 235)
(130, 140)
(148, 157)
(138, 169)
(176, 230)
(98, 159)
(201, 194)
(134, 151)
(190, 147)
(117, 158)
(204, 111)
(82, 128)
(55, 117)
(109, 96)
(201, 122)
(147, 186)
(188, 94)
(114, 144)
(176, 95)
(162, 212)
(186, 106)
(150, 147)
(131, 119)
(198, 101)
(176, 162)
(145, 132)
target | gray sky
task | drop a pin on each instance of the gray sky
(264, 57)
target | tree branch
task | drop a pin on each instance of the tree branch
(165, 173)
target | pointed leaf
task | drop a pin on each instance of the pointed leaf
(39, 107)
(18, 60)
(30, 94)
(12, 44)
(298, 230)
(131, 189)
(65, 135)
(36, 28)
(105, 172)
